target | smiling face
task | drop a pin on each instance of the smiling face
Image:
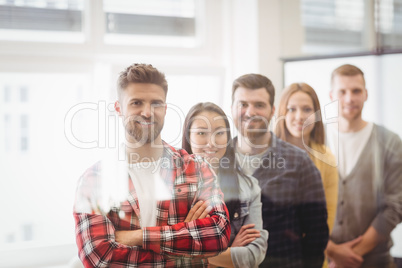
(351, 93)
(143, 107)
(299, 108)
(209, 136)
(251, 111)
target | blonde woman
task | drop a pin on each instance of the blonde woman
(299, 123)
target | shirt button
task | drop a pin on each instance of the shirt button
(342, 202)
(340, 222)
(344, 182)
(179, 190)
(235, 215)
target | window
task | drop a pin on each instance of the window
(7, 93)
(23, 94)
(152, 22)
(389, 17)
(334, 24)
(24, 133)
(7, 135)
(343, 26)
(38, 165)
(41, 20)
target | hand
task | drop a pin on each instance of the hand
(245, 236)
(199, 211)
(332, 264)
(343, 256)
(129, 238)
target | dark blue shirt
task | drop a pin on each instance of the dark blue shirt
(294, 208)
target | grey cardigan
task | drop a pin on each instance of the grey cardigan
(250, 197)
(371, 195)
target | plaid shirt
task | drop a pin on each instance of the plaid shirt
(171, 243)
(293, 207)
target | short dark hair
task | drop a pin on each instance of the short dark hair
(141, 73)
(347, 70)
(255, 81)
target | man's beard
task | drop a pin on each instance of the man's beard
(257, 131)
(254, 133)
(142, 135)
(354, 116)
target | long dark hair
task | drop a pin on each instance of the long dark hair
(228, 170)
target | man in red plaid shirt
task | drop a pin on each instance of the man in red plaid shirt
(171, 215)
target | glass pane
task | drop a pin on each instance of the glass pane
(167, 8)
(54, 4)
(157, 22)
(7, 93)
(39, 167)
(7, 133)
(389, 18)
(23, 94)
(19, 17)
(334, 25)
(24, 132)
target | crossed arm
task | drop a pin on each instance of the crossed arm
(135, 237)
(249, 246)
(100, 244)
(244, 237)
(200, 210)
(350, 254)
